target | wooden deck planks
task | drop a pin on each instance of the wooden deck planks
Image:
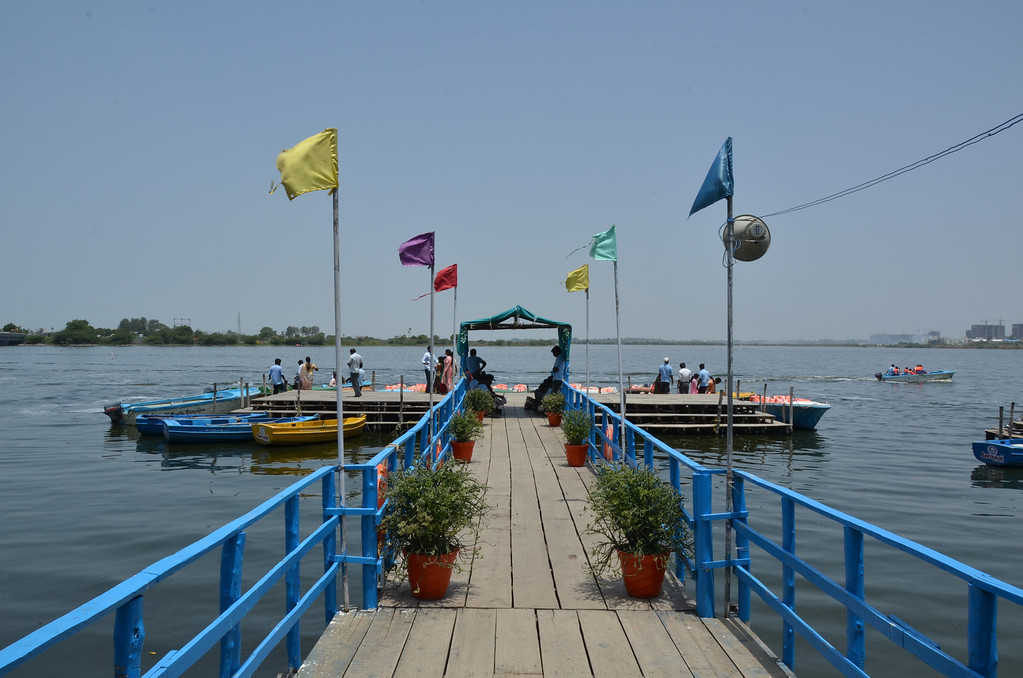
(529, 605)
(517, 650)
(426, 650)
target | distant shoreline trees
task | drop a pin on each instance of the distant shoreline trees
(151, 332)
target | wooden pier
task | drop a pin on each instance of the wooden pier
(698, 414)
(529, 606)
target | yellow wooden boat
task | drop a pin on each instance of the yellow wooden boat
(305, 432)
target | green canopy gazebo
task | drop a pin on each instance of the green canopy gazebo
(516, 318)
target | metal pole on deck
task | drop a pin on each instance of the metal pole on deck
(729, 247)
(621, 388)
(587, 341)
(433, 359)
(340, 408)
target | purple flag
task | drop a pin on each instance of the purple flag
(418, 251)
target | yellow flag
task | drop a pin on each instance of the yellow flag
(579, 279)
(311, 165)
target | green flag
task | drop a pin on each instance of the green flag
(605, 246)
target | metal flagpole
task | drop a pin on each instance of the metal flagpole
(621, 385)
(433, 368)
(454, 337)
(340, 408)
(729, 247)
(587, 339)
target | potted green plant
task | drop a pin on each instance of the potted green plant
(639, 519)
(478, 400)
(465, 429)
(576, 425)
(433, 517)
(553, 404)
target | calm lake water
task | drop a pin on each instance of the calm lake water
(88, 504)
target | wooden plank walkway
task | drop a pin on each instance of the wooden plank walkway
(528, 606)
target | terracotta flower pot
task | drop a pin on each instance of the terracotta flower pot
(643, 575)
(576, 454)
(462, 450)
(554, 418)
(429, 576)
(480, 415)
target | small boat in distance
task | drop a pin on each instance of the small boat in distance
(213, 402)
(217, 429)
(305, 432)
(804, 413)
(916, 377)
(999, 452)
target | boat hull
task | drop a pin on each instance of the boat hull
(940, 375)
(217, 429)
(304, 433)
(999, 452)
(225, 401)
(805, 415)
(152, 424)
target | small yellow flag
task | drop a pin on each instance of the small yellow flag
(311, 165)
(579, 279)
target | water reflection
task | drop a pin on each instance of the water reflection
(755, 452)
(997, 477)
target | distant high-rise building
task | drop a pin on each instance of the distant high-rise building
(986, 332)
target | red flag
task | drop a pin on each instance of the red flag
(446, 278)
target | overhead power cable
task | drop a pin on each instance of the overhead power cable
(908, 168)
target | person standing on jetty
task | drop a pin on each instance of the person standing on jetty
(429, 365)
(704, 378)
(277, 380)
(306, 374)
(665, 377)
(354, 365)
(684, 375)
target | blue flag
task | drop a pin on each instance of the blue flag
(718, 183)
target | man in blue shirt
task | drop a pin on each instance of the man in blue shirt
(704, 378)
(277, 377)
(665, 377)
(558, 372)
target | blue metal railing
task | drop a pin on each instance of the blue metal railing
(983, 591)
(124, 601)
(428, 442)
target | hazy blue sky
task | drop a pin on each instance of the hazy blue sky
(139, 143)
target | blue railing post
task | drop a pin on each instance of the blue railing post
(231, 556)
(369, 538)
(981, 636)
(703, 544)
(292, 580)
(129, 632)
(327, 490)
(788, 576)
(742, 550)
(855, 632)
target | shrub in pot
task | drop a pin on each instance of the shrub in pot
(576, 425)
(479, 401)
(430, 511)
(640, 522)
(553, 404)
(465, 429)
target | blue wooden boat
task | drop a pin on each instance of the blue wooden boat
(222, 401)
(999, 452)
(917, 377)
(152, 424)
(804, 413)
(218, 429)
